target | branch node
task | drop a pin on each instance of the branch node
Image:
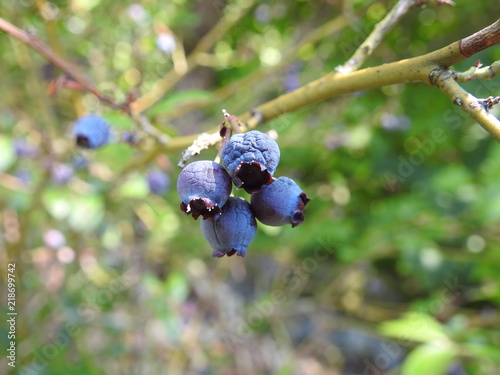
(479, 72)
(489, 102)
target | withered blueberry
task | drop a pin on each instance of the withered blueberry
(280, 203)
(203, 187)
(91, 131)
(251, 159)
(233, 232)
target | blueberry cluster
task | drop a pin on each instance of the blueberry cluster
(229, 224)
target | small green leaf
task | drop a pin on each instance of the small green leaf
(7, 155)
(136, 187)
(429, 359)
(484, 351)
(177, 287)
(414, 326)
(117, 154)
(118, 121)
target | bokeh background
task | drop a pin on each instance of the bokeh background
(394, 271)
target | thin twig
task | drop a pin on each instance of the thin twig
(478, 109)
(231, 18)
(478, 72)
(381, 29)
(149, 129)
(72, 70)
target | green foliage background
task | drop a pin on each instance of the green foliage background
(394, 271)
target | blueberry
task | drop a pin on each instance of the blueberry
(91, 131)
(129, 137)
(391, 122)
(251, 159)
(203, 187)
(24, 175)
(61, 173)
(24, 149)
(79, 162)
(280, 203)
(233, 231)
(158, 182)
(292, 81)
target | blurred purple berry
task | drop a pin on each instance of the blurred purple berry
(54, 239)
(158, 182)
(203, 187)
(251, 159)
(24, 175)
(61, 173)
(280, 203)
(25, 149)
(129, 137)
(392, 122)
(291, 80)
(79, 162)
(233, 231)
(91, 131)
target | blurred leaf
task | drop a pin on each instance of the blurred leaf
(177, 287)
(7, 155)
(414, 326)
(87, 212)
(117, 155)
(174, 99)
(136, 187)
(428, 359)
(484, 351)
(118, 120)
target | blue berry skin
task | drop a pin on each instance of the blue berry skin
(61, 173)
(280, 203)
(24, 149)
(24, 175)
(233, 232)
(204, 187)
(91, 131)
(158, 182)
(251, 159)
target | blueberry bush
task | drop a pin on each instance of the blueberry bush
(375, 120)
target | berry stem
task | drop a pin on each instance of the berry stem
(232, 122)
